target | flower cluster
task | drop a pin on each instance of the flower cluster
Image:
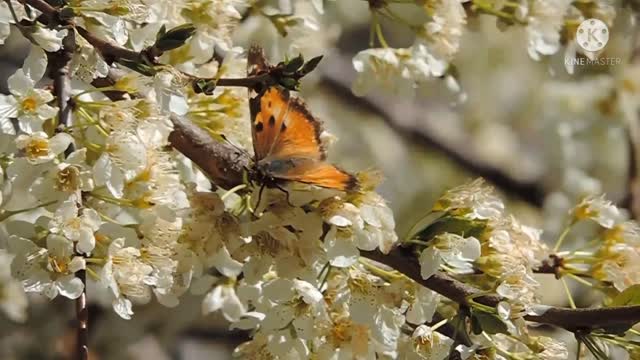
(472, 232)
(549, 26)
(86, 189)
(401, 70)
(103, 205)
(611, 258)
(469, 232)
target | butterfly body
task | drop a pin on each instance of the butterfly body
(287, 140)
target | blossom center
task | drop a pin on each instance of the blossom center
(37, 147)
(29, 104)
(341, 331)
(58, 265)
(68, 179)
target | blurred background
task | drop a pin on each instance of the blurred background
(543, 137)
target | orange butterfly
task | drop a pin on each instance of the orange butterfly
(286, 138)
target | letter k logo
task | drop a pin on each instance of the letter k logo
(592, 35)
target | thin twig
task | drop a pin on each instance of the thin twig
(59, 72)
(109, 51)
(82, 316)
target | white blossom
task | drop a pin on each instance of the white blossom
(474, 200)
(124, 273)
(597, 209)
(49, 40)
(544, 22)
(224, 298)
(441, 36)
(39, 148)
(423, 306)
(6, 18)
(77, 226)
(395, 69)
(26, 103)
(453, 250)
(110, 195)
(425, 344)
(66, 178)
(49, 271)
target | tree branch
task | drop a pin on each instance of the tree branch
(109, 51)
(571, 319)
(401, 116)
(224, 164)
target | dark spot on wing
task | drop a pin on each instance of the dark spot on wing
(272, 120)
(283, 127)
(269, 104)
(259, 127)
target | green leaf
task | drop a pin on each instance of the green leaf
(175, 37)
(630, 296)
(487, 322)
(183, 31)
(161, 32)
(459, 328)
(289, 83)
(204, 86)
(310, 65)
(291, 66)
(456, 225)
(138, 67)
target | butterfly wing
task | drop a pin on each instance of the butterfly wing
(268, 111)
(286, 137)
(311, 171)
(287, 145)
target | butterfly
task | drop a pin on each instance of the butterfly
(286, 138)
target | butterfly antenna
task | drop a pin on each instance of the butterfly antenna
(241, 150)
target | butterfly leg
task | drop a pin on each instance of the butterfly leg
(286, 194)
(260, 197)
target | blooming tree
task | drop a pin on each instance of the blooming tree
(126, 180)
